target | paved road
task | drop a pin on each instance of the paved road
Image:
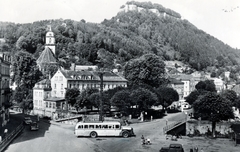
(50, 138)
(60, 138)
(152, 130)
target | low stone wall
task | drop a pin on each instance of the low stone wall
(198, 128)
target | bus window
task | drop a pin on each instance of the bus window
(104, 126)
(91, 126)
(98, 126)
(85, 126)
(117, 126)
(110, 127)
(80, 127)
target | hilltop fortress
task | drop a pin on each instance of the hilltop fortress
(161, 12)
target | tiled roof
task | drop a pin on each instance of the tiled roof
(175, 81)
(46, 56)
(91, 75)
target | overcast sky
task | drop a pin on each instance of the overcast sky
(219, 18)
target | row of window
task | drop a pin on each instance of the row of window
(55, 86)
(5, 70)
(98, 126)
(58, 78)
(105, 86)
(48, 104)
(38, 94)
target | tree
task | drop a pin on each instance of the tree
(207, 85)
(25, 70)
(214, 108)
(143, 98)
(230, 95)
(23, 97)
(148, 69)
(122, 101)
(83, 99)
(193, 96)
(71, 95)
(166, 96)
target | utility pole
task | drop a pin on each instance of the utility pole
(101, 96)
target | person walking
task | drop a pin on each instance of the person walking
(143, 140)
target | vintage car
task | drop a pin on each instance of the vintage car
(27, 120)
(34, 126)
(172, 148)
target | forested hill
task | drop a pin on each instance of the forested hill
(137, 29)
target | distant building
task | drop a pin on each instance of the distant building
(178, 86)
(5, 61)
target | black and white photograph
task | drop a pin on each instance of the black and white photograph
(119, 75)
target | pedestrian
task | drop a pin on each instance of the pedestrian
(143, 140)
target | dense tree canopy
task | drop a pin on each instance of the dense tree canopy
(166, 96)
(214, 108)
(143, 98)
(71, 95)
(148, 69)
(25, 70)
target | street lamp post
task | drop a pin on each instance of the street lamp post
(101, 96)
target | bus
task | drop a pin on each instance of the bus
(95, 129)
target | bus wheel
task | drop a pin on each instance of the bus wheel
(125, 134)
(93, 134)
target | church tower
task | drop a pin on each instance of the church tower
(50, 40)
(47, 57)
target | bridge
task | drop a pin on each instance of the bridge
(175, 128)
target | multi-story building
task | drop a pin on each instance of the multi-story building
(5, 61)
(49, 95)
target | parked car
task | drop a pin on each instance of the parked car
(27, 120)
(172, 148)
(34, 126)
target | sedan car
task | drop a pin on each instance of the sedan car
(27, 120)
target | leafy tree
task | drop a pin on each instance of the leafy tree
(122, 101)
(83, 99)
(166, 96)
(230, 95)
(214, 108)
(22, 96)
(25, 70)
(143, 98)
(71, 95)
(193, 96)
(148, 69)
(207, 85)
(95, 99)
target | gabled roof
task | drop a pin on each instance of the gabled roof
(46, 56)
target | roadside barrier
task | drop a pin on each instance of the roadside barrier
(173, 125)
(10, 136)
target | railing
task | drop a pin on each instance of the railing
(68, 118)
(173, 125)
(9, 137)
